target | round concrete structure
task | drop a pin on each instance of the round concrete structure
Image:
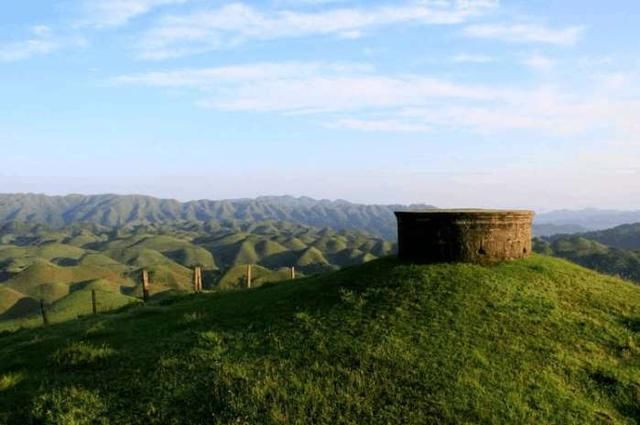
(471, 236)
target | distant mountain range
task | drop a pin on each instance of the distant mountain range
(377, 220)
(573, 221)
(119, 210)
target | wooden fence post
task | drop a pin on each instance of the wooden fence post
(145, 285)
(94, 302)
(249, 276)
(197, 279)
(293, 273)
(43, 310)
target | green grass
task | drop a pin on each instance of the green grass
(37, 263)
(10, 380)
(534, 341)
(624, 263)
(75, 305)
(236, 277)
(79, 303)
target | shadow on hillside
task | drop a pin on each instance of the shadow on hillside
(282, 259)
(5, 275)
(65, 262)
(22, 308)
(633, 324)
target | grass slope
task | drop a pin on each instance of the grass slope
(45, 264)
(534, 341)
(15, 304)
(79, 302)
(236, 277)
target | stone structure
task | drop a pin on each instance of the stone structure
(472, 236)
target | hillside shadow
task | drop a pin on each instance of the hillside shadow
(5, 275)
(282, 259)
(631, 323)
(22, 308)
(65, 262)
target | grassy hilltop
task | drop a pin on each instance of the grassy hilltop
(534, 341)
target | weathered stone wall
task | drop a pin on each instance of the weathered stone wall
(474, 236)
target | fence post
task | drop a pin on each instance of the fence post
(94, 302)
(197, 279)
(293, 273)
(145, 285)
(43, 310)
(249, 276)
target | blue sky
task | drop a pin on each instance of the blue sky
(456, 103)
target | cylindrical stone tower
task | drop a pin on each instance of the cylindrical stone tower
(472, 236)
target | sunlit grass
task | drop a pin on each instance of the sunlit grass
(534, 341)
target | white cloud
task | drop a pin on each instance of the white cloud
(356, 96)
(472, 58)
(210, 78)
(544, 110)
(110, 13)
(42, 41)
(539, 63)
(235, 23)
(525, 33)
(302, 87)
(306, 2)
(395, 126)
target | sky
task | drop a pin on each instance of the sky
(460, 103)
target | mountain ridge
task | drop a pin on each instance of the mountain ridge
(118, 210)
(589, 219)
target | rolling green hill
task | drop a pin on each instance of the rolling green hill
(533, 341)
(116, 211)
(38, 263)
(623, 237)
(613, 251)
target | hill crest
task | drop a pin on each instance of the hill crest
(533, 341)
(118, 210)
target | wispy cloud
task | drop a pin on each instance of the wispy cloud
(539, 63)
(472, 58)
(40, 41)
(236, 23)
(210, 78)
(526, 33)
(302, 87)
(111, 13)
(357, 96)
(390, 125)
(543, 110)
